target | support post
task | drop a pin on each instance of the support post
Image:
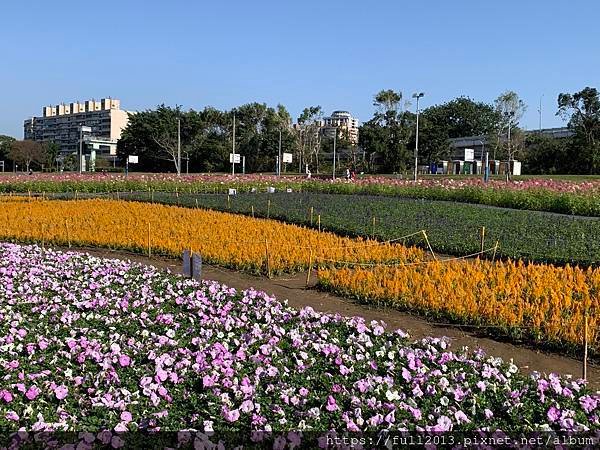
(268, 208)
(319, 221)
(310, 265)
(312, 210)
(482, 240)
(585, 345)
(149, 247)
(267, 261)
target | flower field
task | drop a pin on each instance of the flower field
(107, 346)
(560, 196)
(546, 304)
(453, 228)
(256, 245)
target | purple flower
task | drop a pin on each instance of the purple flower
(331, 404)
(125, 360)
(32, 392)
(553, 414)
(61, 392)
(231, 415)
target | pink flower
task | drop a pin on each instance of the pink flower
(61, 392)
(11, 415)
(6, 396)
(331, 404)
(32, 392)
(231, 415)
(124, 360)
(126, 416)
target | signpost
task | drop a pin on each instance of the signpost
(234, 158)
(131, 159)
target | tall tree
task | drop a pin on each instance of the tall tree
(26, 153)
(309, 136)
(152, 135)
(5, 144)
(51, 152)
(511, 109)
(582, 109)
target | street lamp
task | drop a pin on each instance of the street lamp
(486, 164)
(82, 129)
(417, 96)
(334, 143)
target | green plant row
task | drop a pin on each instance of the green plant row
(526, 199)
(452, 228)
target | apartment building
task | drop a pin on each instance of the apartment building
(61, 124)
(342, 121)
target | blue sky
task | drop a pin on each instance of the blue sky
(336, 54)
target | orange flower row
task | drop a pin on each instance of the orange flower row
(226, 239)
(544, 302)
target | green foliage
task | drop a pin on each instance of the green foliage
(582, 109)
(206, 137)
(5, 144)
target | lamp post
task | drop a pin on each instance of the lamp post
(485, 163)
(279, 157)
(233, 148)
(417, 96)
(178, 147)
(82, 128)
(334, 143)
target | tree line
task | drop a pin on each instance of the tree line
(386, 141)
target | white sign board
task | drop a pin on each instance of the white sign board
(287, 157)
(132, 159)
(86, 129)
(234, 158)
(469, 154)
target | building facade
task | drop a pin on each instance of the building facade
(341, 122)
(61, 124)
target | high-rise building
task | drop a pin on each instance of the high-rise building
(343, 122)
(61, 124)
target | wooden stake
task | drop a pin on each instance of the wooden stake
(429, 245)
(373, 229)
(585, 345)
(310, 264)
(319, 221)
(196, 203)
(68, 233)
(152, 191)
(252, 211)
(268, 208)
(482, 241)
(228, 202)
(149, 248)
(267, 261)
(495, 249)
(312, 210)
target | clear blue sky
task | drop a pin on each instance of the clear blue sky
(336, 54)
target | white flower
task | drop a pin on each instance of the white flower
(392, 395)
(444, 401)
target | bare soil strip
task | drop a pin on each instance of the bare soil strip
(292, 289)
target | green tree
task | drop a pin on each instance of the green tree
(26, 153)
(545, 155)
(5, 144)
(152, 135)
(51, 152)
(387, 134)
(309, 136)
(582, 109)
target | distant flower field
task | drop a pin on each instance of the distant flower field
(107, 346)
(567, 197)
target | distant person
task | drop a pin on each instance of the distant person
(30, 172)
(347, 174)
(308, 173)
(353, 175)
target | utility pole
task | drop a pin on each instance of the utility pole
(279, 157)
(540, 111)
(417, 96)
(178, 147)
(80, 156)
(233, 147)
(334, 143)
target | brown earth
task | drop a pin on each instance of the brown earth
(292, 289)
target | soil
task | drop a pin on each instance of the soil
(292, 288)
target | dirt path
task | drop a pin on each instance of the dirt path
(292, 289)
